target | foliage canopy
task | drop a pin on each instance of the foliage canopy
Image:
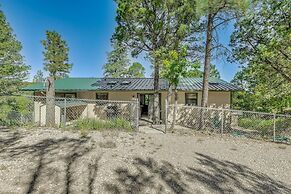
(56, 55)
(13, 71)
(262, 41)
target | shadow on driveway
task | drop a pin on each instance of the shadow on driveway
(63, 164)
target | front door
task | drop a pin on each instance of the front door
(144, 100)
(147, 105)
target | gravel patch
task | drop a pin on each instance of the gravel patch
(56, 161)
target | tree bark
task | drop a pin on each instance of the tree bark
(207, 60)
(175, 109)
(156, 106)
(169, 95)
(204, 101)
(50, 102)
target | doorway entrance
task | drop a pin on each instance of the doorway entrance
(146, 101)
(146, 105)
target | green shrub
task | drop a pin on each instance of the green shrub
(283, 123)
(119, 123)
(96, 124)
(263, 126)
(13, 110)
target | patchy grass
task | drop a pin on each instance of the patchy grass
(88, 124)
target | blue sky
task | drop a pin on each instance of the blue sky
(86, 25)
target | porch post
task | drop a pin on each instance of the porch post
(137, 113)
(166, 115)
(65, 112)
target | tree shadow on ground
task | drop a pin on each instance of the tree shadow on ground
(9, 138)
(51, 158)
(222, 176)
(149, 176)
(208, 175)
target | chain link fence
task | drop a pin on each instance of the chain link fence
(32, 110)
(275, 127)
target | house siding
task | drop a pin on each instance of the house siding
(219, 98)
(122, 96)
(215, 98)
(86, 95)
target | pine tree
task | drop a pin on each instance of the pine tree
(56, 55)
(38, 77)
(136, 70)
(12, 68)
(214, 72)
(154, 27)
(261, 42)
(194, 71)
(117, 61)
(216, 13)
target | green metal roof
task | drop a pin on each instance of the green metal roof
(130, 84)
(66, 84)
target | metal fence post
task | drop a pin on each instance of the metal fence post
(65, 112)
(137, 114)
(274, 127)
(33, 110)
(222, 121)
(166, 115)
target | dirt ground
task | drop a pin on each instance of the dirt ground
(55, 161)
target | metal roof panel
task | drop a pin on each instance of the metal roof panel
(137, 84)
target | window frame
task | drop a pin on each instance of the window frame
(102, 93)
(192, 98)
(63, 94)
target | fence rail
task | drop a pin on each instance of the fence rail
(275, 127)
(23, 110)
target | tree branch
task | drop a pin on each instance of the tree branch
(271, 64)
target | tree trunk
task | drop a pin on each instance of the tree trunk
(156, 106)
(204, 101)
(175, 109)
(169, 95)
(50, 102)
(207, 60)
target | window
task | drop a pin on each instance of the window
(102, 96)
(60, 95)
(70, 95)
(66, 95)
(191, 99)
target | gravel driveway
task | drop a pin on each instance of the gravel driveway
(55, 161)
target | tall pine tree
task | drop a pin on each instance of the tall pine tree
(214, 72)
(38, 77)
(154, 27)
(56, 55)
(216, 13)
(117, 61)
(12, 68)
(136, 70)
